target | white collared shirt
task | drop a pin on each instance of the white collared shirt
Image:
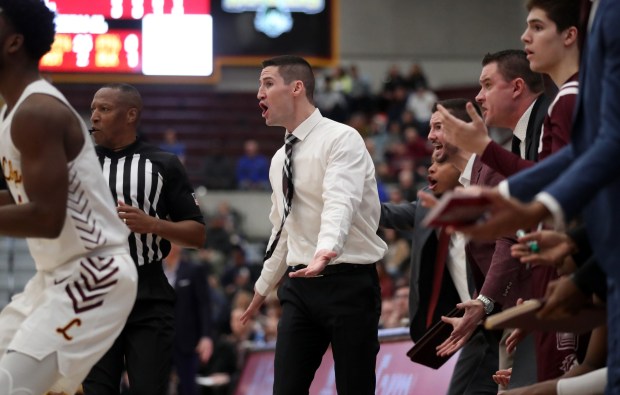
(335, 206)
(521, 128)
(465, 177)
(456, 265)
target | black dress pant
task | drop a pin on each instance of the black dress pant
(477, 363)
(144, 347)
(341, 309)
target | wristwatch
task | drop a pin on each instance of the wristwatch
(488, 303)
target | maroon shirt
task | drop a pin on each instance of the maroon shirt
(558, 123)
(556, 352)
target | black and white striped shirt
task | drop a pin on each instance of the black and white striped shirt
(155, 181)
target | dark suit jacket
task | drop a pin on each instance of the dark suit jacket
(496, 274)
(585, 176)
(193, 308)
(407, 217)
(505, 162)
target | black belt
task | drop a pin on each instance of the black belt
(339, 268)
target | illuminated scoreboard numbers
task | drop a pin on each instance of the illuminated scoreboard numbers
(129, 9)
(55, 57)
(109, 36)
(116, 52)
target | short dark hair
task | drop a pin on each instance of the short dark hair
(513, 63)
(33, 20)
(457, 108)
(131, 95)
(294, 68)
(564, 13)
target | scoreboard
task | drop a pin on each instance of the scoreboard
(143, 37)
(182, 40)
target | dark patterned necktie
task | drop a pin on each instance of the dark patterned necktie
(516, 145)
(443, 246)
(287, 188)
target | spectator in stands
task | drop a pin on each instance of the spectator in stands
(415, 78)
(380, 170)
(393, 80)
(400, 311)
(237, 274)
(331, 102)
(193, 328)
(407, 120)
(173, 145)
(408, 183)
(378, 134)
(252, 168)
(218, 241)
(269, 320)
(360, 97)
(397, 104)
(341, 80)
(420, 102)
(359, 122)
(387, 308)
(386, 282)
(395, 195)
(398, 159)
(219, 169)
(418, 147)
(229, 354)
(220, 306)
(398, 252)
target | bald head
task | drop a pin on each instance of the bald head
(128, 97)
(115, 115)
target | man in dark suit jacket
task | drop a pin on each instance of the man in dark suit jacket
(192, 320)
(408, 217)
(511, 96)
(581, 178)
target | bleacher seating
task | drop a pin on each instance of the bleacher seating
(207, 121)
(16, 267)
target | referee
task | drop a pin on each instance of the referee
(158, 205)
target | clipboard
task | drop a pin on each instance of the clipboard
(424, 351)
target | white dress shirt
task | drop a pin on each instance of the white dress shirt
(456, 262)
(457, 265)
(521, 128)
(465, 177)
(335, 206)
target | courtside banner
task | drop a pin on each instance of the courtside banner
(396, 374)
